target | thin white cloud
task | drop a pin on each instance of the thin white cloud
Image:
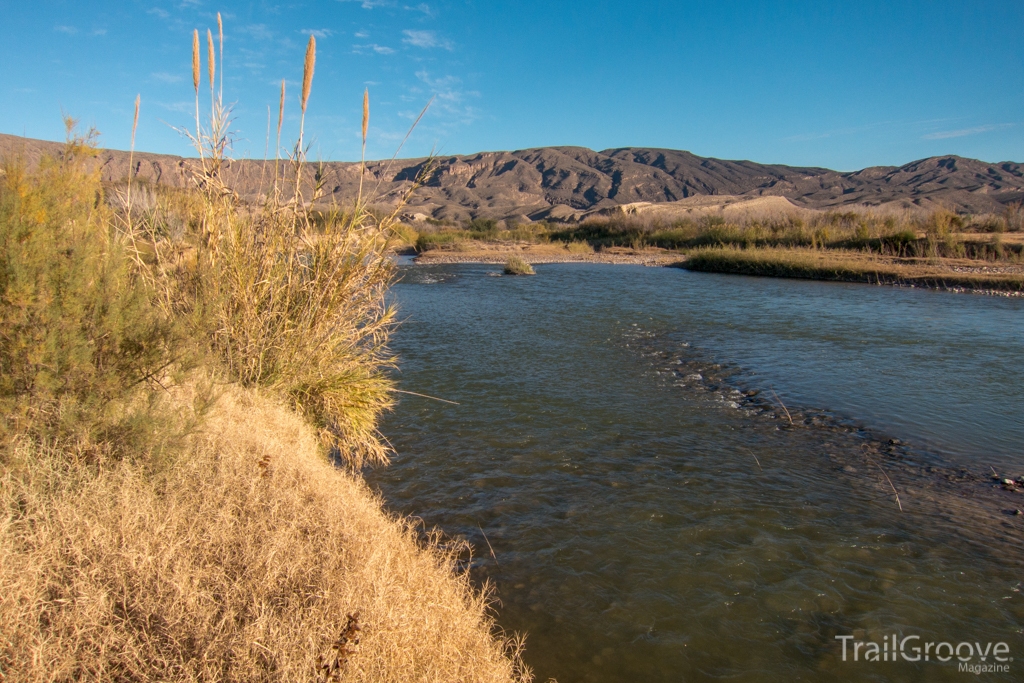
(70, 30)
(320, 33)
(165, 77)
(444, 83)
(258, 31)
(163, 14)
(425, 39)
(370, 4)
(964, 132)
(855, 130)
(186, 107)
(449, 98)
(99, 32)
(362, 34)
(806, 137)
(379, 49)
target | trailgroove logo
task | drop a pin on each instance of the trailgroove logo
(971, 657)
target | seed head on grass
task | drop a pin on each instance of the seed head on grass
(362, 158)
(135, 121)
(307, 71)
(307, 83)
(211, 58)
(280, 114)
(197, 140)
(220, 34)
(195, 60)
(280, 121)
(366, 114)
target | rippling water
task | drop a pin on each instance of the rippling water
(650, 522)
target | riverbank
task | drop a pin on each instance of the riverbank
(955, 275)
(959, 275)
(483, 252)
(244, 555)
(183, 419)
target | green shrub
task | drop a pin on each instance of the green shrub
(80, 328)
(517, 265)
(445, 240)
(482, 225)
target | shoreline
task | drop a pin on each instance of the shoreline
(616, 256)
(930, 483)
(960, 278)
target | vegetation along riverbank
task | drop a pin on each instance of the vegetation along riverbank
(933, 248)
(189, 384)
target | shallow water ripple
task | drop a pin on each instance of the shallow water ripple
(650, 524)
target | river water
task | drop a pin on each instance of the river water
(672, 476)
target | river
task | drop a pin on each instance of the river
(669, 475)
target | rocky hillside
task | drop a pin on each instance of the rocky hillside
(567, 183)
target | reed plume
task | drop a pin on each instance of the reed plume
(307, 71)
(280, 120)
(195, 60)
(135, 121)
(131, 164)
(195, 84)
(211, 58)
(307, 83)
(220, 36)
(362, 159)
(366, 114)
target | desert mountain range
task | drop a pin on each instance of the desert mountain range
(570, 183)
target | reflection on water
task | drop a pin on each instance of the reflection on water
(649, 521)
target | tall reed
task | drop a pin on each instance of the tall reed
(288, 296)
(195, 85)
(307, 83)
(362, 157)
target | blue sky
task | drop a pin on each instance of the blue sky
(838, 84)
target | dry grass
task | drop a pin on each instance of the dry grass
(283, 296)
(579, 247)
(517, 265)
(239, 559)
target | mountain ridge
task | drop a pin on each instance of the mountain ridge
(570, 183)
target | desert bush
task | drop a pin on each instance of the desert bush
(280, 294)
(486, 226)
(81, 331)
(579, 247)
(517, 265)
(445, 240)
(405, 234)
(1013, 216)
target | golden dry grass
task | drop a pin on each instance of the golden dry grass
(239, 559)
(307, 71)
(579, 247)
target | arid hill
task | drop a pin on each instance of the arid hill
(568, 183)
